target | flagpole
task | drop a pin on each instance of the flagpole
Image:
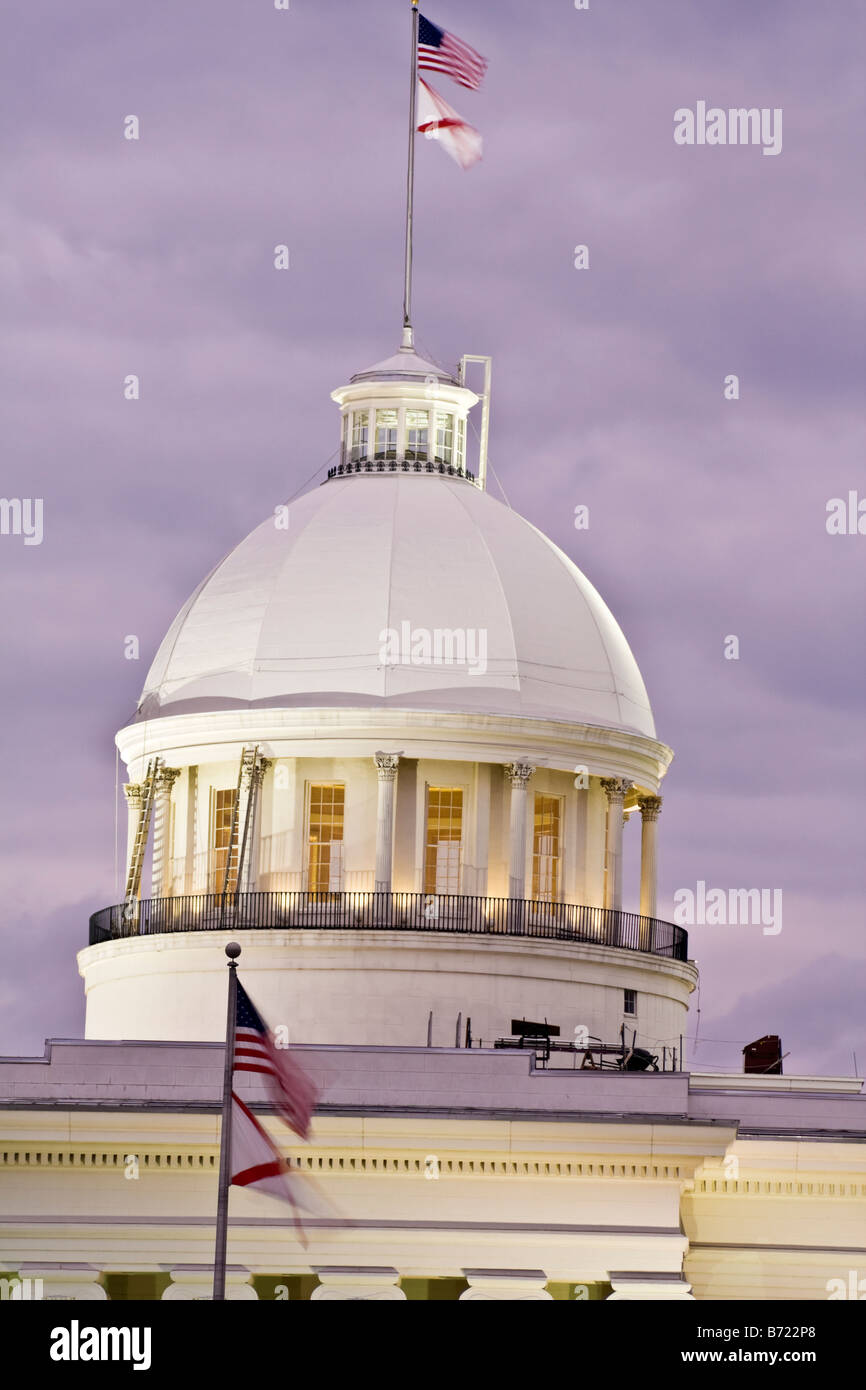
(233, 950)
(410, 183)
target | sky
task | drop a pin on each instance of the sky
(707, 515)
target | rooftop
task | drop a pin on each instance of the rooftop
(443, 1082)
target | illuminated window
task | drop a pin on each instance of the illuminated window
(417, 434)
(444, 437)
(461, 443)
(223, 844)
(443, 843)
(325, 837)
(386, 434)
(360, 434)
(545, 849)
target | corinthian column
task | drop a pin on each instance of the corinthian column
(386, 767)
(650, 806)
(518, 775)
(161, 873)
(134, 793)
(614, 789)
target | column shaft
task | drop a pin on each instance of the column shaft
(650, 806)
(614, 789)
(518, 774)
(134, 793)
(161, 875)
(386, 767)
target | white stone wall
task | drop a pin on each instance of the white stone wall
(378, 987)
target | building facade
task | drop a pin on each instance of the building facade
(397, 747)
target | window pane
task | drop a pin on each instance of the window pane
(325, 838)
(386, 434)
(223, 845)
(444, 840)
(360, 434)
(444, 437)
(545, 849)
(417, 434)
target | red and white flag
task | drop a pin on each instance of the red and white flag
(289, 1088)
(258, 1164)
(439, 121)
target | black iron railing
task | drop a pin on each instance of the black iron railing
(402, 465)
(391, 912)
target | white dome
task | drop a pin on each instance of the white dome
(297, 617)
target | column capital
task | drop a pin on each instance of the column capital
(500, 1285)
(650, 806)
(65, 1282)
(262, 766)
(615, 789)
(166, 778)
(519, 774)
(387, 764)
(357, 1284)
(648, 1285)
(134, 793)
(194, 1284)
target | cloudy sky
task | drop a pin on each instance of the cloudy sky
(707, 515)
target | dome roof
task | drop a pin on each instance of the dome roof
(405, 365)
(318, 614)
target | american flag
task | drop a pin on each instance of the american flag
(439, 51)
(290, 1089)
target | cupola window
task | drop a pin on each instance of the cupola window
(461, 443)
(417, 435)
(444, 437)
(360, 434)
(386, 434)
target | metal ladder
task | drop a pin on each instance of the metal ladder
(142, 830)
(246, 779)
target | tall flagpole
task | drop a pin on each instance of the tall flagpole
(410, 182)
(233, 950)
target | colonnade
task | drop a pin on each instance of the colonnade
(519, 774)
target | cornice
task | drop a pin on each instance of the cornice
(358, 732)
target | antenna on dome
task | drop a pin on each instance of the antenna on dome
(408, 339)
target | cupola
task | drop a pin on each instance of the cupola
(406, 415)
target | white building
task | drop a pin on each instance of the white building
(389, 746)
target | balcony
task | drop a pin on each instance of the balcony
(391, 464)
(416, 912)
